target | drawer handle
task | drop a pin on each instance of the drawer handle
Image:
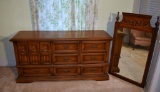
(66, 46)
(93, 58)
(94, 46)
(66, 59)
(66, 71)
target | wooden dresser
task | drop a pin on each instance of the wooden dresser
(61, 55)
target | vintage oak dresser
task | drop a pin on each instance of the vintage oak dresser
(61, 55)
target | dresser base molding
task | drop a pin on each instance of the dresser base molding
(58, 78)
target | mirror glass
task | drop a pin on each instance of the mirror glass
(132, 53)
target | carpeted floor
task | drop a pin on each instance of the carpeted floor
(8, 84)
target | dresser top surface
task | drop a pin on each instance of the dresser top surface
(62, 35)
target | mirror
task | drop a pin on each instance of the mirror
(133, 54)
(132, 48)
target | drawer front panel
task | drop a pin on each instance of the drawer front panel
(33, 46)
(94, 58)
(34, 58)
(23, 58)
(96, 69)
(66, 47)
(94, 46)
(45, 46)
(66, 71)
(35, 71)
(66, 58)
(22, 46)
(45, 58)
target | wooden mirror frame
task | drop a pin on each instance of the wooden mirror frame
(138, 22)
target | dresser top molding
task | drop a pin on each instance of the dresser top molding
(62, 35)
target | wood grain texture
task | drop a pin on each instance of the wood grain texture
(61, 35)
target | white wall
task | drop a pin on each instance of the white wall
(15, 15)
(108, 11)
(136, 6)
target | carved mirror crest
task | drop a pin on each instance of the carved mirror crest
(133, 45)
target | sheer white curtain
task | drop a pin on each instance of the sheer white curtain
(64, 14)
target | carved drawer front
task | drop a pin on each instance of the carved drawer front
(36, 71)
(66, 70)
(34, 58)
(93, 69)
(65, 47)
(33, 46)
(22, 46)
(94, 58)
(66, 58)
(93, 46)
(23, 58)
(45, 58)
(45, 46)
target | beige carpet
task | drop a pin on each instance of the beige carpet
(8, 84)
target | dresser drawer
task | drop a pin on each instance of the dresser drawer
(34, 58)
(65, 58)
(94, 58)
(33, 46)
(22, 46)
(66, 46)
(35, 71)
(23, 58)
(66, 70)
(94, 46)
(45, 58)
(94, 69)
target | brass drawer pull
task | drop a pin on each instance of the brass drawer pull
(93, 58)
(66, 59)
(66, 46)
(66, 71)
(94, 46)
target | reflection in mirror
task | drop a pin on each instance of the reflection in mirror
(133, 53)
